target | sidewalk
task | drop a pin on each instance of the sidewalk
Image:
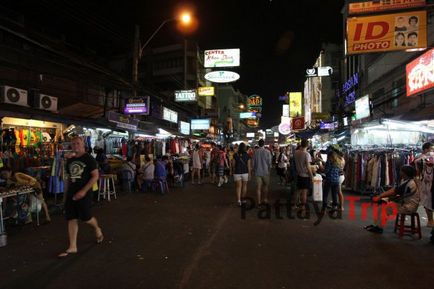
(194, 237)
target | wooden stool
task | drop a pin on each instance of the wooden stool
(104, 187)
(402, 228)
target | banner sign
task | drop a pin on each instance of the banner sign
(349, 89)
(222, 76)
(245, 115)
(206, 91)
(388, 32)
(122, 121)
(170, 115)
(285, 110)
(184, 127)
(185, 95)
(362, 107)
(222, 58)
(298, 123)
(137, 105)
(328, 125)
(295, 103)
(383, 5)
(200, 124)
(420, 73)
(254, 101)
(319, 71)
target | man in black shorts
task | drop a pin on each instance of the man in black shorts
(304, 173)
(83, 174)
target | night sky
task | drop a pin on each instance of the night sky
(279, 39)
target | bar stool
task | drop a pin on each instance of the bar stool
(104, 186)
(414, 228)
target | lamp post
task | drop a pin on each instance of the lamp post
(185, 19)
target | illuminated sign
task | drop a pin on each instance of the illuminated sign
(298, 123)
(222, 58)
(185, 95)
(254, 101)
(389, 32)
(349, 89)
(362, 107)
(383, 5)
(222, 76)
(170, 115)
(420, 73)
(285, 110)
(328, 125)
(245, 115)
(184, 127)
(250, 134)
(206, 91)
(319, 71)
(295, 103)
(200, 124)
(137, 105)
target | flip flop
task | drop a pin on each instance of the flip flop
(65, 254)
(368, 227)
(99, 239)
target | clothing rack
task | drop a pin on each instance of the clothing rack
(369, 169)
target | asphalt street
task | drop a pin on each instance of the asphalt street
(195, 237)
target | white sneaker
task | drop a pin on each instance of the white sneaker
(226, 179)
(219, 184)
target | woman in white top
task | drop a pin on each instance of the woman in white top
(197, 164)
(282, 163)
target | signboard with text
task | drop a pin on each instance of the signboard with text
(389, 32)
(383, 5)
(295, 103)
(222, 76)
(137, 105)
(420, 73)
(222, 58)
(185, 95)
(362, 107)
(200, 124)
(170, 115)
(298, 123)
(206, 91)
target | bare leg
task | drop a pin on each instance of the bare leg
(258, 192)
(430, 217)
(98, 232)
(341, 197)
(238, 185)
(244, 193)
(72, 233)
(198, 175)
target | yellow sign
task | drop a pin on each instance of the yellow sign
(382, 5)
(205, 91)
(295, 104)
(387, 32)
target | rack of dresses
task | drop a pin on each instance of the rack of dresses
(373, 168)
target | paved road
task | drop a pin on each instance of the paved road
(195, 238)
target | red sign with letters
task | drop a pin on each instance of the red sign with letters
(298, 123)
(420, 73)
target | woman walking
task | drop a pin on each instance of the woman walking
(197, 164)
(242, 171)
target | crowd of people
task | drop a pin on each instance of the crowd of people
(217, 164)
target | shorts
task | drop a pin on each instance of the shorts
(303, 183)
(341, 179)
(80, 209)
(241, 177)
(263, 180)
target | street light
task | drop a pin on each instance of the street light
(185, 19)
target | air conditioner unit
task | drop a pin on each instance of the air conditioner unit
(45, 102)
(13, 95)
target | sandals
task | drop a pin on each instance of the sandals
(66, 254)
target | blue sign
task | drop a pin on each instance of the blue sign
(350, 83)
